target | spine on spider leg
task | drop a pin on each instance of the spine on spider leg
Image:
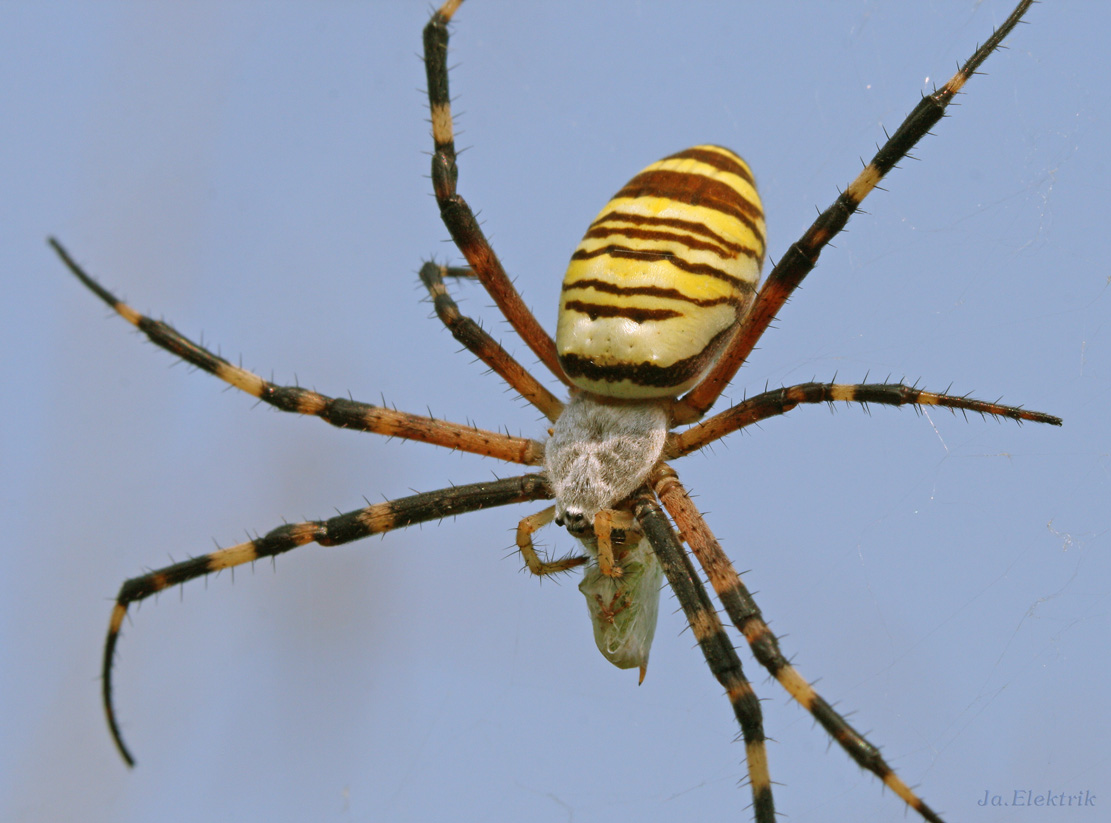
(715, 645)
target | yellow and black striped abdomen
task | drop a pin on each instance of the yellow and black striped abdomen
(662, 277)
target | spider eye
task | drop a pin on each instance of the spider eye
(574, 520)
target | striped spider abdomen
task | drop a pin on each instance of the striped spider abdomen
(662, 277)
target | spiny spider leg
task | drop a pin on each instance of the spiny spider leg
(454, 211)
(745, 614)
(481, 344)
(610, 526)
(343, 528)
(803, 255)
(338, 411)
(781, 401)
(715, 645)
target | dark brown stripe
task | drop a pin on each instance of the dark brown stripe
(645, 374)
(685, 225)
(677, 262)
(648, 235)
(596, 310)
(718, 161)
(694, 190)
(649, 291)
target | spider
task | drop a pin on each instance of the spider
(661, 305)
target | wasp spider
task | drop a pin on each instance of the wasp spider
(660, 307)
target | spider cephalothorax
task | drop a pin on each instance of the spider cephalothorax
(659, 309)
(599, 454)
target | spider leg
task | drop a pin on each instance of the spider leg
(715, 644)
(344, 528)
(610, 525)
(781, 401)
(481, 344)
(803, 255)
(338, 411)
(533, 563)
(454, 210)
(745, 614)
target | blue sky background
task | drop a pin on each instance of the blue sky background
(255, 173)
